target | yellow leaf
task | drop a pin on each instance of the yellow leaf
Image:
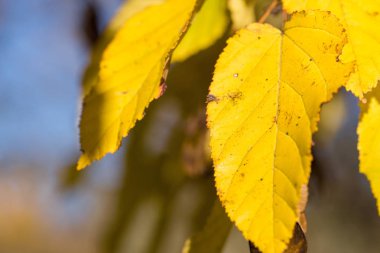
(212, 237)
(242, 12)
(131, 71)
(361, 19)
(369, 145)
(208, 26)
(264, 105)
(297, 244)
(128, 9)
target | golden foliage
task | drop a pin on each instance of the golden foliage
(266, 96)
(132, 73)
(369, 145)
(242, 12)
(361, 19)
(208, 26)
(127, 10)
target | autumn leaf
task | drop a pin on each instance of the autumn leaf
(369, 143)
(264, 105)
(131, 75)
(209, 25)
(128, 9)
(297, 244)
(212, 237)
(361, 19)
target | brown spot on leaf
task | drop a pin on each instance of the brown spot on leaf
(211, 98)
(235, 96)
(163, 87)
(375, 13)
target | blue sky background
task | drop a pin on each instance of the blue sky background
(43, 53)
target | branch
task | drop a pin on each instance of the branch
(268, 11)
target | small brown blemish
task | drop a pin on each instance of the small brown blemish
(235, 96)
(375, 13)
(163, 87)
(211, 98)
(236, 75)
(338, 49)
(306, 66)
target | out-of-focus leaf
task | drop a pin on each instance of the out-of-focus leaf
(132, 74)
(208, 26)
(242, 12)
(361, 19)
(214, 234)
(265, 101)
(128, 9)
(369, 144)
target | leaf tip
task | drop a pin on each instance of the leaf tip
(83, 162)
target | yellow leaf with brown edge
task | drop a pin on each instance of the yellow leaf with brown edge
(128, 9)
(264, 105)
(131, 75)
(361, 19)
(369, 143)
(209, 25)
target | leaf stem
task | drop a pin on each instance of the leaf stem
(268, 11)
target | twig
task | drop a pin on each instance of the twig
(268, 11)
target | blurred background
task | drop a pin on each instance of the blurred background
(157, 191)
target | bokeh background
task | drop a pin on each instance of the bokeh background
(157, 190)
